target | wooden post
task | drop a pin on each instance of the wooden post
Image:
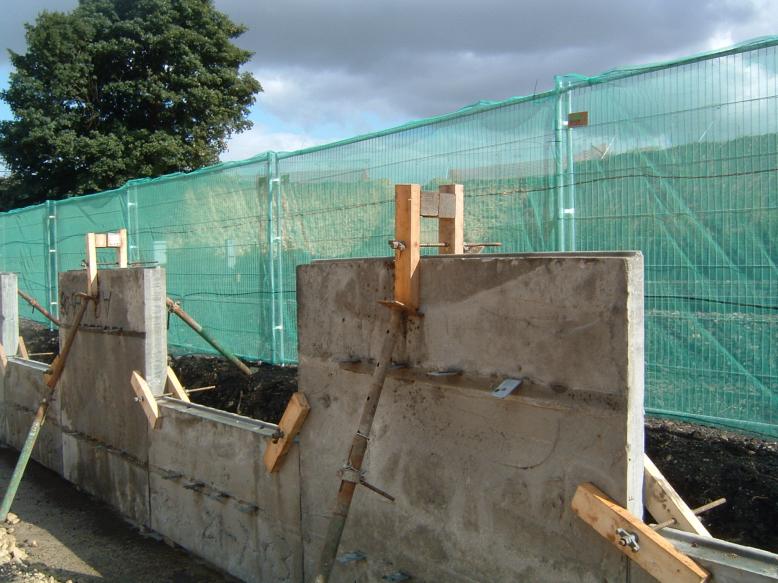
(654, 553)
(291, 423)
(146, 398)
(173, 385)
(664, 503)
(407, 229)
(91, 264)
(22, 350)
(451, 219)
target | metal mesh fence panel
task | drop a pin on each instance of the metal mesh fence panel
(678, 160)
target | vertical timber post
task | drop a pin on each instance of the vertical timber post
(408, 230)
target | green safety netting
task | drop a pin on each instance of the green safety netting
(678, 160)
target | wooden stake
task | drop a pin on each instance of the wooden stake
(664, 503)
(358, 448)
(451, 219)
(175, 387)
(655, 554)
(146, 398)
(91, 264)
(22, 350)
(291, 423)
(407, 228)
(3, 359)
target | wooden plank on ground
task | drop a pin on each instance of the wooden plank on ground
(407, 228)
(451, 222)
(22, 350)
(656, 555)
(173, 385)
(291, 423)
(664, 503)
(146, 398)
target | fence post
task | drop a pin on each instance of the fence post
(52, 267)
(559, 137)
(275, 248)
(131, 222)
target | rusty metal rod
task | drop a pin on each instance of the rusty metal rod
(696, 511)
(194, 325)
(34, 303)
(187, 391)
(487, 244)
(358, 448)
(40, 415)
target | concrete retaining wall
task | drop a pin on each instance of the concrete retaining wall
(482, 485)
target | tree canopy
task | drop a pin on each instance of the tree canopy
(120, 89)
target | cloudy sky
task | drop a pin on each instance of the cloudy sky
(335, 69)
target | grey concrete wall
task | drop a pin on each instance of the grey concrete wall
(22, 390)
(9, 313)
(483, 485)
(211, 493)
(105, 442)
(196, 480)
(22, 387)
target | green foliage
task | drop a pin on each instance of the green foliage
(120, 89)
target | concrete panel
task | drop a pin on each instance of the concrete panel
(23, 389)
(106, 448)
(107, 473)
(483, 485)
(124, 331)
(9, 313)
(211, 493)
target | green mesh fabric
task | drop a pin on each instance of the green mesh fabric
(678, 160)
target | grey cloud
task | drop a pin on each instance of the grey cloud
(402, 59)
(18, 13)
(410, 58)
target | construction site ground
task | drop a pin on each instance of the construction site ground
(65, 535)
(702, 463)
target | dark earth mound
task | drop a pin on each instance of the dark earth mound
(704, 463)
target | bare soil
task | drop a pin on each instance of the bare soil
(705, 463)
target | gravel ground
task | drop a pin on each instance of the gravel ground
(64, 535)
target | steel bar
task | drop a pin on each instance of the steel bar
(697, 511)
(40, 414)
(358, 448)
(34, 303)
(197, 390)
(489, 244)
(194, 325)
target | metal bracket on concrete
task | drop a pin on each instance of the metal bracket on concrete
(506, 387)
(261, 427)
(726, 561)
(351, 557)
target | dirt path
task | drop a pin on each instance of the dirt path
(70, 536)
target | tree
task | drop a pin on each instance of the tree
(120, 89)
